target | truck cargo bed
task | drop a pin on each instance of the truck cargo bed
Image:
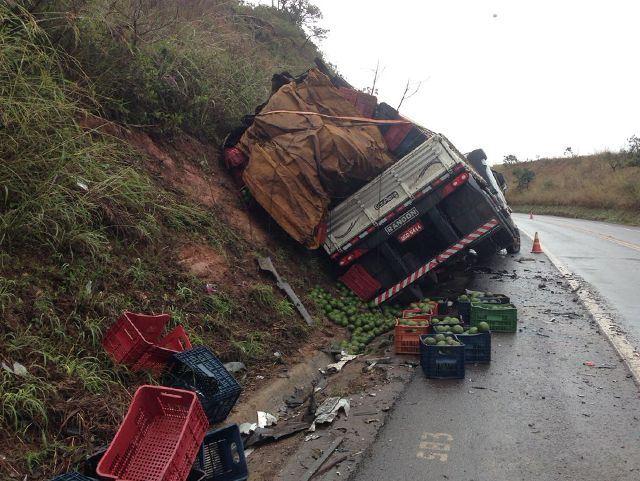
(397, 185)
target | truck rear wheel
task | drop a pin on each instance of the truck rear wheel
(515, 247)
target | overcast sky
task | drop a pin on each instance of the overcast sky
(524, 77)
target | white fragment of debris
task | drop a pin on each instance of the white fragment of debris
(247, 452)
(82, 185)
(311, 437)
(266, 419)
(235, 366)
(18, 369)
(277, 354)
(247, 428)
(329, 409)
(337, 366)
(259, 377)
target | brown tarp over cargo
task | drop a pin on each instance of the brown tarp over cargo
(299, 161)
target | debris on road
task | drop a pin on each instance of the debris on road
(269, 435)
(234, 366)
(337, 366)
(328, 410)
(321, 460)
(266, 419)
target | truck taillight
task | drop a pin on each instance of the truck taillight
(352, 256)
(453, 185)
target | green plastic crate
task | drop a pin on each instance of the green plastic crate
(500, 317)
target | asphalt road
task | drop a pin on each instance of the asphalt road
(536, 412)
(607, 256)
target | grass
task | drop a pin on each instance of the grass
(583, 186)
(284, 308)
(615, 216)
(263, 295)
(220, 304)
(253, 347)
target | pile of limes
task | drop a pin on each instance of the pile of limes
(364, 320)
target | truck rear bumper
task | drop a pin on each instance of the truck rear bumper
(479, 233)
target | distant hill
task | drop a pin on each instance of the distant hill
(601, 187)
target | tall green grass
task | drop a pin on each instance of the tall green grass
(192, 65)
(62, 187)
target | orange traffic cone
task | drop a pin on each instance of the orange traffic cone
(536, 249)
(531, 215)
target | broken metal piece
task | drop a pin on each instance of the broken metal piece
(337, 366)
(270, 435)
(320, 461)
(266, 419)
(329, 409)
(247, 428)
(266, 264)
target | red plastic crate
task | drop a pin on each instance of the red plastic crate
(360, 281)
(397, 133)
(364, 103)
(411, 314)
(135, 340)
(406, 339)
(158, 439)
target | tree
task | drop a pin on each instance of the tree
(407, 94)
(305, 15)
(568, 152)
(614, 160)
(633, 150)
(510, 159)
(524, 177)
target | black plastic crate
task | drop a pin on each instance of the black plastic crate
(200, 371)
(91, 462)
(221, 455)
(477, 347)
(72, 477)
(442, 362)
(443, 305)
(464, 307)
(414, 138)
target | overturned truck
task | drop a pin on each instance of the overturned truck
(392, 203)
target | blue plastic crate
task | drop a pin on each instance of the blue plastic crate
(221, 456)
(200, 371)
(72, 477)
(477, 347)
(442, 362)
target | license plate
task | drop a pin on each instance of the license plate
(410, 232)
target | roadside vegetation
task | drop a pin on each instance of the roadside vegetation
(603, 186)
(86, 231)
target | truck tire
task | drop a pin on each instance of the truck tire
(477, 155)
(515, 247)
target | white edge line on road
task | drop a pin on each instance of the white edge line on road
(623, 347)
